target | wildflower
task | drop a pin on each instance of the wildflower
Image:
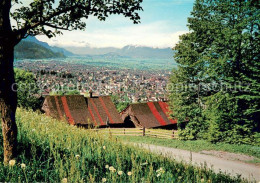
(12, 162)
(129, 173)
(158, 175)
(23, 165)
(104, 179)
(104, 147)
(107, 166)
(77, 156)
(64, 180)
(112, 169)
(120, 172)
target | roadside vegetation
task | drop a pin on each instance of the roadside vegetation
(196, 145)
(50, 151)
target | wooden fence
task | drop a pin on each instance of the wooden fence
(158, 133)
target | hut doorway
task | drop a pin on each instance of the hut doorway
(128, 123)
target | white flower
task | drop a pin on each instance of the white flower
(129, 173)
(12, 162)
(104, 179)
(158, 175)
(77, 156)
(112, 169)
(120, 172)
(107, 166)
(64, 180)
(104, 147)
(23, 165)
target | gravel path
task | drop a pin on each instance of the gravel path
(248, 171)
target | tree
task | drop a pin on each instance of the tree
(46, 17)
(219, 63)
(28, 93)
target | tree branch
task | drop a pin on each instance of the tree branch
(21, 32)
(56, 27)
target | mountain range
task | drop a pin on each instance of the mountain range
(127, 51)
(31, 47)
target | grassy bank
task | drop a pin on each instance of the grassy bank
(51, 151)
(196, 145)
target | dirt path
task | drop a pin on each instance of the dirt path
(248, 171)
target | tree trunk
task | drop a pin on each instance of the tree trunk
(8, 96)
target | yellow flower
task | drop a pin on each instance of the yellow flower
(104, 147)
(64, 180)
(120, 172)
(104, 179)
(23, 165)
(107, 166)
(129, 173)
(12, 162)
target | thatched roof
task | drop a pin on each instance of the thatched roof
(149, 115)
(103, 111)
(77, 110)
(72, 108)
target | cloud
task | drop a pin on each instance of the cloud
(156, 34)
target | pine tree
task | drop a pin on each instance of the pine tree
(221, 55)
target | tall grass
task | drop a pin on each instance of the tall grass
(54, 152)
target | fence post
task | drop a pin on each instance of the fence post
(124, 130)
(143, 131)
(110, 133)
(173, 134)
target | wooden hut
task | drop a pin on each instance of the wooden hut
(71, 108)
(148, 115)
(102, 111)
(78, 110)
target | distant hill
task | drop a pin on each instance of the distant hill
(52, 48)
(32, 50)
(127, 51)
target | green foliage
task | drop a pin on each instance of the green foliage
(48, 17)
(52, 151)
(120, 105)
(27, 90)
(67, 92)
(30, 50)
(219, 67)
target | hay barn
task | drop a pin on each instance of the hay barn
(148, 115)
(102, 111)
(81, 111)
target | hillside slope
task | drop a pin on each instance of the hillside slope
(31, 50)
(51, 151)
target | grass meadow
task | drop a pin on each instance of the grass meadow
(52, 151)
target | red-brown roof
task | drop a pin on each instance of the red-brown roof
(76, 109)
(102, 110)
(150, 114)
(72, 108)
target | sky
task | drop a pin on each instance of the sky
(162, 21)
